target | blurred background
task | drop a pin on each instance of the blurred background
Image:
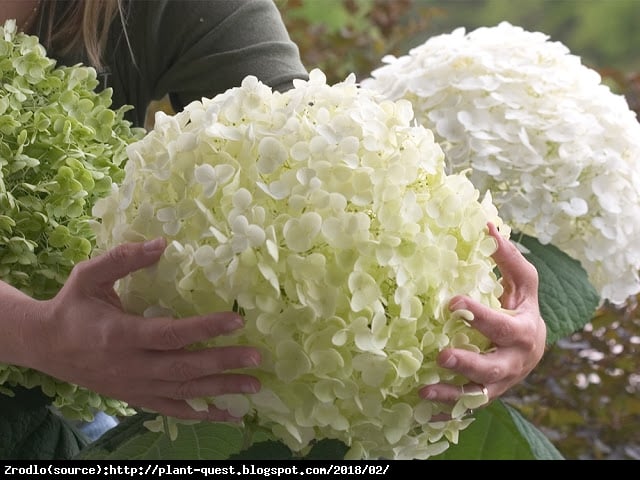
(585, 394)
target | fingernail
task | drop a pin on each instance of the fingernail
(450, 362)
(457, 304)
(235, 322)
(428, 395)
(250, 387)
(154, 245)
(251, 361)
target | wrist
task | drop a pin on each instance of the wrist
(18, 327)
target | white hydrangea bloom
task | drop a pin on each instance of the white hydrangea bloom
(558, 150)
(325, 214)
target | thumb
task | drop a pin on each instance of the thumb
(120, 261)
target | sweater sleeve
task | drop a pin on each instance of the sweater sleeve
(199, 48)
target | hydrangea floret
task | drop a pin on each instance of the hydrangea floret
(559, 151)
(61, 148)
(324, 215)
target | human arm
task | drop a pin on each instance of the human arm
(517, 332)
(83, 336)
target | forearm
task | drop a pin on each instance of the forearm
(18, 314)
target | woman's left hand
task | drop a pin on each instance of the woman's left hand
(518, 333)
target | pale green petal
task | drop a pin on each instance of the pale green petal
(299, 234)
(398, 421)
(292, 361)
(271, 154)
(198, 404)
(236, 405)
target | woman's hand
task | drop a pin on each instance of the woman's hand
(84, 336)
(518, 333)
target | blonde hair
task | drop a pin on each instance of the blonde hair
(74, 26)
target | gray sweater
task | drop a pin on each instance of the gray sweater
(189, 49)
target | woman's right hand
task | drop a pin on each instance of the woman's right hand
(83, 336)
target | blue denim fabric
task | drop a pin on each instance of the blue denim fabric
(100, 424)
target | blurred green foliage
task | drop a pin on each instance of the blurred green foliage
(602, 32)
(351, 36)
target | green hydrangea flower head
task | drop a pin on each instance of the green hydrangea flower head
(62, 147)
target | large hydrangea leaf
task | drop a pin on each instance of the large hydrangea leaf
(31, 430)
(501, 433)
(567, 299)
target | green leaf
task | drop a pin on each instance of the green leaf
(269, 450)
(541, 446)
(200, 441)
(501, 433)
(326, 449)
(31, 430)
(567, 299)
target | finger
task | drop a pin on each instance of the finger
(515, 269)
(185, 365)
(500, 327)
(484, 369)
(163, 333)
(449, 394)
(211, 386)
(440, 417)
(182, 410)
(118, 262)
(440, 392)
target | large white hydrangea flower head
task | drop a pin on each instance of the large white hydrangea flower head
(325, 215)
(559, 151)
